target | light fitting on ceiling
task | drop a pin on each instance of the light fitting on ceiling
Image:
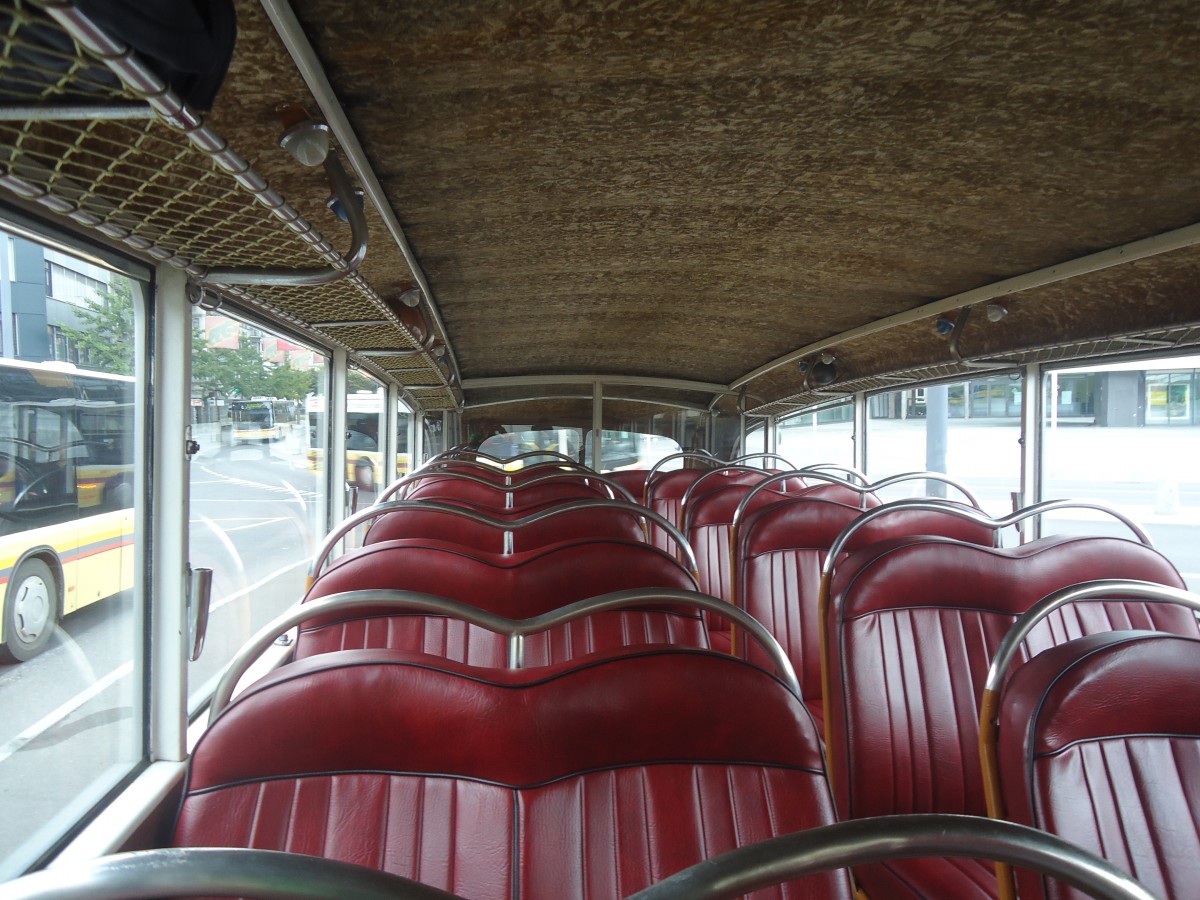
(411, 296)
(820, 372)
(306, 139)
(996, 310)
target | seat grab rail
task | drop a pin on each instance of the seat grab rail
(507, 526)
(514, 629)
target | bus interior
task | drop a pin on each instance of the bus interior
(553, 449)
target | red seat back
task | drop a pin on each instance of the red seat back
(781, 549)
(1100, 745)
(664, 494)
(633, 480)
(516, 586)
(592, 781)
(507, 500)
(912, 627)
(570, 525)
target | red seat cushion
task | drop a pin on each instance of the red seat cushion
(782, 549)
(516, 586)
(914, 624)
(595, 779)
(1100, 744)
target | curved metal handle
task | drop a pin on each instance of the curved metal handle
(862, 841)
(434, 468)
(686, 454)
(505, 525)
(764, 456)
(686, 500)
(834, 468)
(615, 489)
(514, 629)
(349, 264)
(216, 872)
(972, 515)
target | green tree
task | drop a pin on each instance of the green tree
(225, 371)
(288, 383)
(356, 381)
(106, 340)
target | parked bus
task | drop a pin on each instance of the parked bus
(66, 497)
(878, 238)
(364, 424)
(262, 419)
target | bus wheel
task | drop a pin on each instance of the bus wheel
(30, 610)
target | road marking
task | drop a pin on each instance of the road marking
(273, 488)
(255, 524)
(254, 587)
(52, 718)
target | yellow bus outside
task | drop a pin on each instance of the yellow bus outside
(363, 423)
(66, 497)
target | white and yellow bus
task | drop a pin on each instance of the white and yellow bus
(66, 497)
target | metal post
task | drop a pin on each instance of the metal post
(860, 431)
(170, 481)
(336, 472)
(597, 423)
(937, 434)
(1031, 448)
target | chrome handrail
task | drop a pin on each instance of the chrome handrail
(615, 489)
(514, 629)
(972, 515)
(225, 871)
(861, 841)
(505, 525)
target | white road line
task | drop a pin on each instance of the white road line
(272, 488)
(256, 524)
(217, 604)
(55, 716)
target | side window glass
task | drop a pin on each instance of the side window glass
(258, 481)
(71, 622)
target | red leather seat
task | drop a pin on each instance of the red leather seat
(664, 494)
(1100, 745)
(710, 518)
(520, 499)
(444, 525)
(517, 586)
(781, 549)
(912, 627)
(593, 781)
(633, 480)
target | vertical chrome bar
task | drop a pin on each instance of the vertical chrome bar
(170, 473)
(597, 423)
(1031, 447)
(516, 651)
(860, 431)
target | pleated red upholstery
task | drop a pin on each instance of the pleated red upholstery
(516, 586)
(664, 494)
(574, 781)
(1100, 744)
(781, 550)
(519, 499)
(914, 624)
(569, 525)
(633, 480)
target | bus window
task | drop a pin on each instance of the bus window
(256, 500)
(630, 450)
(70, 624)
(971, 431)
(1127, 434)
(824, 436)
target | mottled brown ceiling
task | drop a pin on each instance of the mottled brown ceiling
(691, 190)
